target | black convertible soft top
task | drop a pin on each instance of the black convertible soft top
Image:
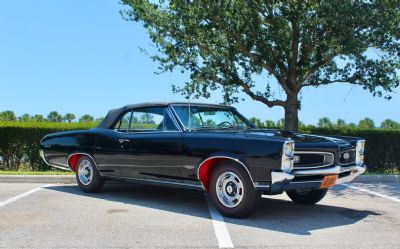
(113, 114)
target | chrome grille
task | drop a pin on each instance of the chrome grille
(311, 159)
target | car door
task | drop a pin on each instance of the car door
(152, 146)
(109, 146)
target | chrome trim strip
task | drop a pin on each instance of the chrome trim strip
(278, 176)
(145, 132)
(155, 181)
(326, 171)
(43, 156)
(334, 170)
(225, 157)
(281, 180)
(312, 152)
(60, 167)
(355, 171)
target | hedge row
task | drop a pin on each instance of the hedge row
(19, 144)
(382, 148)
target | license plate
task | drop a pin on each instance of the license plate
(329, 181)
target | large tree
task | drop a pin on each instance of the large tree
(250, 46)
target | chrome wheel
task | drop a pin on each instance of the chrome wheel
(85, 172)
(230, 190)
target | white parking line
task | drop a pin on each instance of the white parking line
(17, 197)
(372, 192)
(220, 229)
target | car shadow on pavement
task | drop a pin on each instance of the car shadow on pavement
(271, 214)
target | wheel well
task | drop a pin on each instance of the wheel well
(73, 161)
(206, 167)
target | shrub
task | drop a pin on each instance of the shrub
(381, 149)
(19, 144)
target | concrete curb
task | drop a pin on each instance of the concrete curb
(67, 179)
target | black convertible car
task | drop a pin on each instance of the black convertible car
(206, 147)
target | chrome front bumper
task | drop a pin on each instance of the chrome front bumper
(312, 179)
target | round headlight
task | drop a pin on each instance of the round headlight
(360, 152)
(289, 149)
(287, 156)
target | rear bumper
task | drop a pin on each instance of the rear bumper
(312, 179)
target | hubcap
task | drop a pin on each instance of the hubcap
(229, 189)
(85, 172)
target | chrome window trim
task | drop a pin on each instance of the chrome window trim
(166, 109)
(224, 157)
(318, 153)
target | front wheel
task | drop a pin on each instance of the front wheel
(87, 176)
(307, 196)
(232, 190)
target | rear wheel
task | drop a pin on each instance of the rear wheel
(309, 197)
(232, 190)
(87, 176)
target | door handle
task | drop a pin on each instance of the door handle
(123, 140)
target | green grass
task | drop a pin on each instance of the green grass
(7, 172)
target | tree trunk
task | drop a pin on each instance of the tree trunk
(292, 113)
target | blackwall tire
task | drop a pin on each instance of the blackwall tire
(307, 197)
(232, 190)
(87, 175)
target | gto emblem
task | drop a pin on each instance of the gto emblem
(346, 155)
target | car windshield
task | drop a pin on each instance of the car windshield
(208, 117)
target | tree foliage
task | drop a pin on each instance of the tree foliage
(69, 117)
(366, 123)
(54, 117)
(325, 123)
(227, 45)
(389, 124)
(86, 118)
(7, 116)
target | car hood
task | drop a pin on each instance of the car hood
(302, 141)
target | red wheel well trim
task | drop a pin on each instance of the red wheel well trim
(73, 160)
(205, 168)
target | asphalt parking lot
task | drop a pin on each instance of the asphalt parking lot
(139, 216)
